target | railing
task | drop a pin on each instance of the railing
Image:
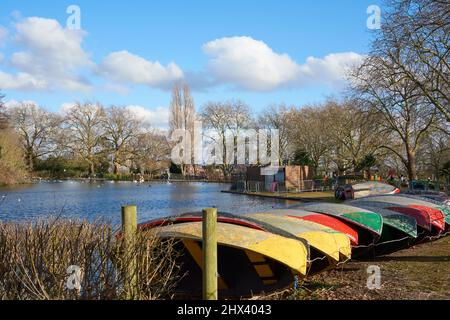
(280, 187)
(193, 178)
(421, 185)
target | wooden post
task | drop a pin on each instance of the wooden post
(210, 254)
(129, 222)
(129, 229)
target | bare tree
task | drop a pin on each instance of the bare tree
(182, 115)
(225, 119)
(152, 152)
(12, 164)
(3, 116)
(36, 128)
(435, 151)
(84, 132)
(308, 131)
(175, 110)
(277, 117)
(354, 133)
(405, 115)
(421, 28)
(121, 127)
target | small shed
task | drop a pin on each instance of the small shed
(298, 177)
(285, 178)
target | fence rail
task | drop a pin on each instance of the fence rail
(280, 187)
(327, 185)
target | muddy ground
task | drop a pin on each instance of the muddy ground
(419, 273)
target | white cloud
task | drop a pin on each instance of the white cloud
(3, 35)
(48, 44)
(124, 67)
(22, 81)
(251, 64)
(51, 57)
(330, 70)
(156, 118)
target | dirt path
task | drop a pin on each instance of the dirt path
(421, 272)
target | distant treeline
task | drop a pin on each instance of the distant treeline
(394, 116)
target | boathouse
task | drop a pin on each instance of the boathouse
(284, 178)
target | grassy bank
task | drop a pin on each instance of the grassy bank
(421, 272)
(36, 260)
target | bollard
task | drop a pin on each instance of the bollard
(129, 222)
(129, 229)
(209, 254)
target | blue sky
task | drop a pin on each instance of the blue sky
(131, 52)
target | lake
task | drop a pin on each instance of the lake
(103, 200)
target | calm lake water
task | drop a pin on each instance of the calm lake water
(103, 200)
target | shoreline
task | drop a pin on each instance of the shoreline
(299, 197)
(34, 180)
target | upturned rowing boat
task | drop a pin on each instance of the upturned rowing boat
(363, 189)
(399, 230)
(327, 246)
(250, 261)
(368, 224)
(322, 219)
(428, 215)
(437, 201)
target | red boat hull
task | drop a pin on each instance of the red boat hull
(437, 218)
(193, 218)
(334, 224)
(427, 218)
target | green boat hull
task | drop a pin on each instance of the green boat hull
(447, 214)
(371, 220)
(399, 231)
(405, 224)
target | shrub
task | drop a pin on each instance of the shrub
(12, 165)
(34, 261)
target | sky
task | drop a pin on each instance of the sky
(132, 52)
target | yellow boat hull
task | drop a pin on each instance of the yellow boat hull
(333, 244)
(249, 260)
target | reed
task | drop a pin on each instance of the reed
(35, 257)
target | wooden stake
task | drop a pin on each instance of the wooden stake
(129, 229)
(210, 254)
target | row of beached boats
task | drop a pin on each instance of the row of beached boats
(264, 252)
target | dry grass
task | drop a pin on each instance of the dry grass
(418, 273)
(34, 261)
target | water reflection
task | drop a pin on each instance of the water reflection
(94, 200)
